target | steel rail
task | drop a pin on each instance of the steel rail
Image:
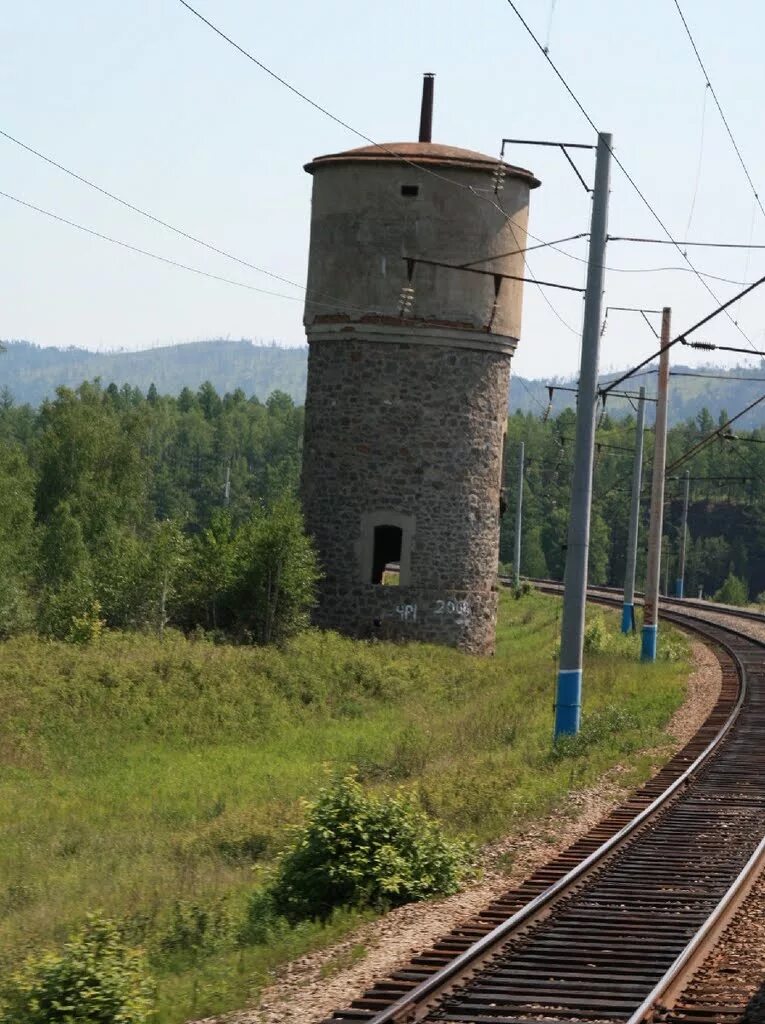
(471, 956)
(679, 602)
(652, 1001)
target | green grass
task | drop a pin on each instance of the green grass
(157, 781)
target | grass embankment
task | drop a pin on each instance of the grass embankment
(155, 781)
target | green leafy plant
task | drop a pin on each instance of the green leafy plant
(362, 850)
(733, 591)
(94, 980)
(86, 628)
(608, 722)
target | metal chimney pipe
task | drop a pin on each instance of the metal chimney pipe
(426, 110)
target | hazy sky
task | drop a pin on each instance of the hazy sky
(145, 100)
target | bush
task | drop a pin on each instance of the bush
(198, 928)
(360, 850)
(94, 980)
(275, 570)
(609, 723)
(733, 591)
(596, 636)
(86, 628)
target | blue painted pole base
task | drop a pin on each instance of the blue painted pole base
(628, 618)
(568, 705)
(678, 588)
(648, 646)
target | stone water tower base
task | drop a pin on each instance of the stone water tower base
(457, 618)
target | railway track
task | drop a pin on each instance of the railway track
(611, 929)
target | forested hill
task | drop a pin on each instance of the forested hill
(32, 373)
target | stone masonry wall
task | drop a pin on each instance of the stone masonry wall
(415, 430)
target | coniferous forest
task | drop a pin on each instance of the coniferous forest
(726, 525)
(129, 510)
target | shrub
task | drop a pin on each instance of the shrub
(262, 920)
(733, 591)
(361, 850)
(596, 636)
(94, 980)
(86, 628)
(275, 571)
(198, 927)
(609, 723)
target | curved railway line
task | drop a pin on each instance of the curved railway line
(614, 927)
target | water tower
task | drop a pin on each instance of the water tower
(408, 376)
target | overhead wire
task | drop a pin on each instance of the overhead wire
(718, 105)
(477, 192)
(684, 334)
(671, 241)
(318, 106)
(163, 223)
(641, 270)
(755, 473)
(529, 392)
(699, 161)
(700, 445)
(156, 256)
(619, 163)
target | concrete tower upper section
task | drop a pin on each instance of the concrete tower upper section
(377, 207)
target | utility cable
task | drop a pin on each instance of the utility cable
(682, 337)
(528, 248)
(344, 124)
(700, 445)
(671, 241)
(640, 270)
(156, 256)
(712, 376)
(511, 224)
(317, 106)
(719, 107)
(699, 162)
(619, 163)
(163, 223)
(757, 476)
(529, 392)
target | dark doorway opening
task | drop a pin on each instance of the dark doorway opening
(387, 548)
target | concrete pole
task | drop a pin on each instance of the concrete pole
(651, 600)
(569, 692)
(680, 582)
(519, 519)
(628, 611)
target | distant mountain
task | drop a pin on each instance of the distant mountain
(692, 388)
(32, 373)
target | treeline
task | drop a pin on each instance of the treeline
(33, 372)
(726, 522)
(139, 511)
